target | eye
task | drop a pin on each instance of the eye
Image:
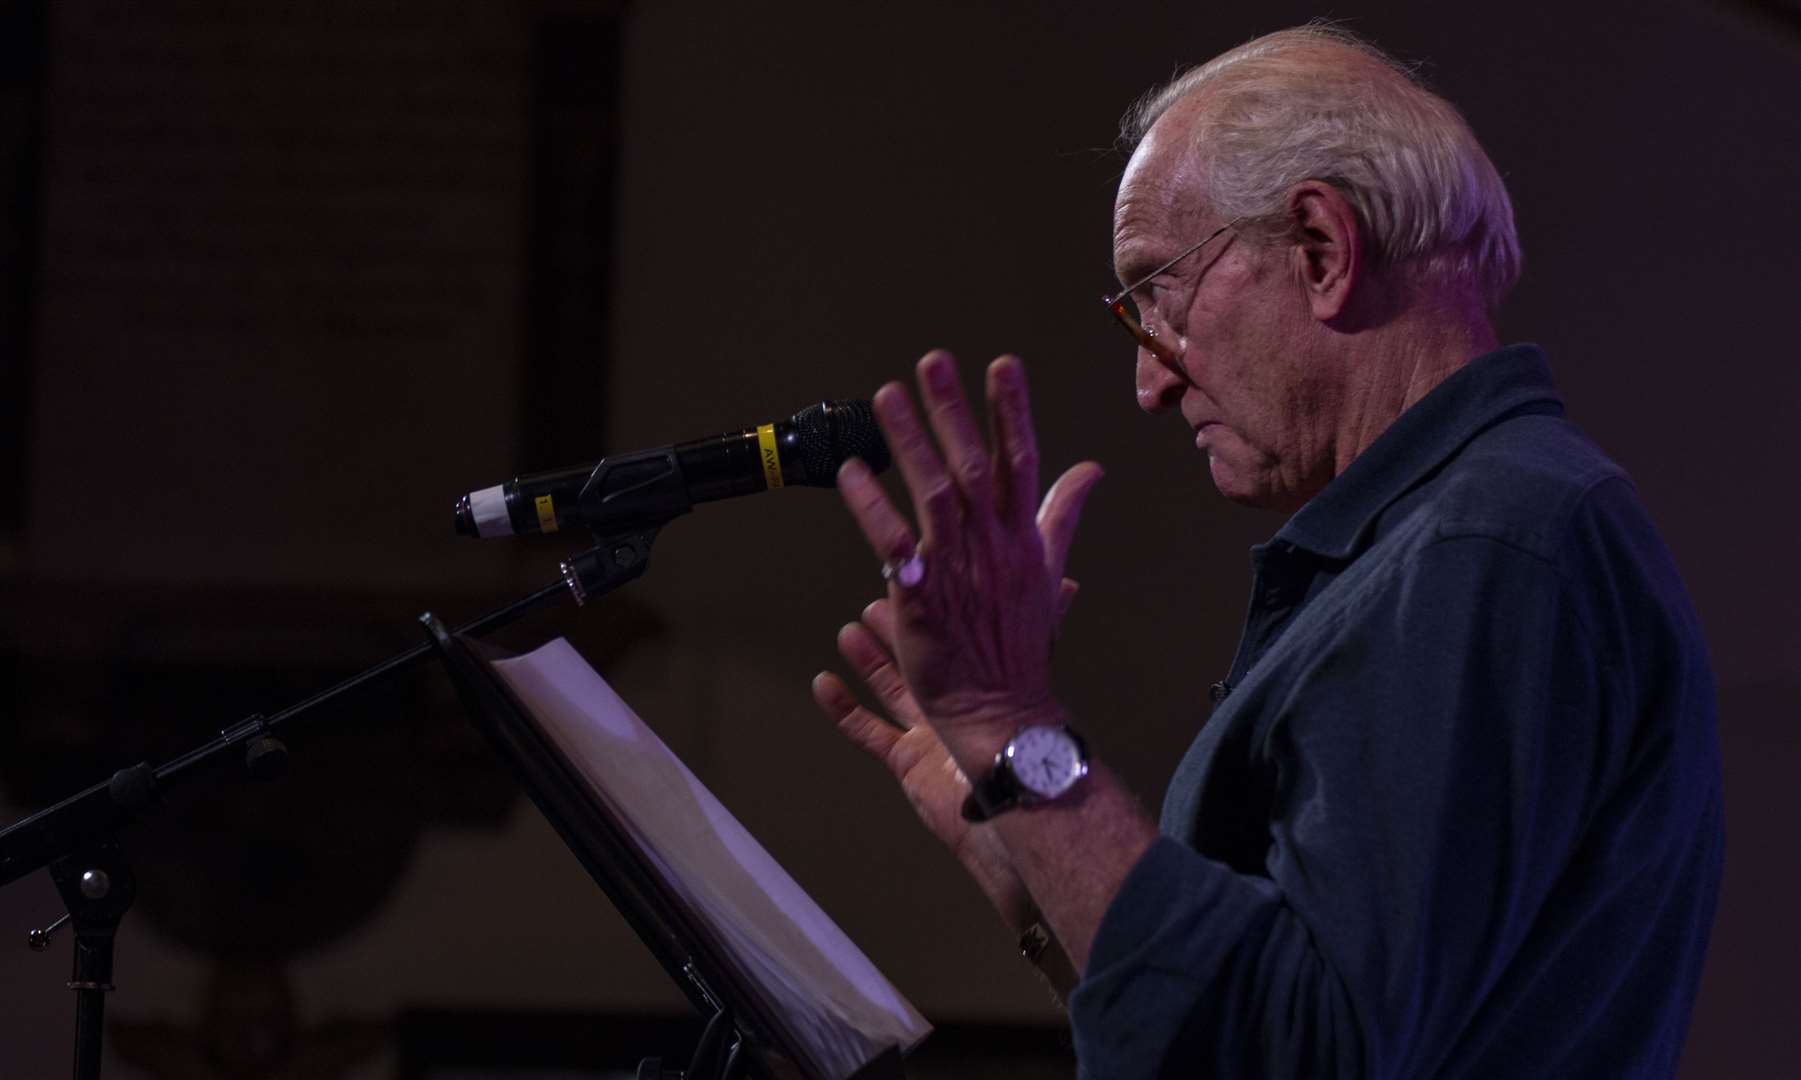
(1149, 301)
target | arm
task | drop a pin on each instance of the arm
(1435, 747)
(904, 742)
(972, 641)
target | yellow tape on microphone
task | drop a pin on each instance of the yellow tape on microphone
(772, 459)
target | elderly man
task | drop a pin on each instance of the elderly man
(1457, 809)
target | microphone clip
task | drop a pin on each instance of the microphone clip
(611, 563)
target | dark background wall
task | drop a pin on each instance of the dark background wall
(283, 279)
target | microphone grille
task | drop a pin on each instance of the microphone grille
(831, 433)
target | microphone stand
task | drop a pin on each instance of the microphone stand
(76, 837)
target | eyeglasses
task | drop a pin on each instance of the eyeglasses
(1121, 307)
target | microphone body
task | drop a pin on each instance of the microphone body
(649, 487)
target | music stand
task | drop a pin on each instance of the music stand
(740, 1034)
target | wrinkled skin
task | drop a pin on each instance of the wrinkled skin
(957, 660)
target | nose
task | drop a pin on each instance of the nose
(1158, 381)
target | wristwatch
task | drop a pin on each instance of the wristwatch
(1040, 762)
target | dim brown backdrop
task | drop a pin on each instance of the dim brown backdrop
(283, 279)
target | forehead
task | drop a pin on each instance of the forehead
(1157, 202)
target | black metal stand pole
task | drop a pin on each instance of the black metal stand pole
(76, 837)
(98, 887)
(94, 815)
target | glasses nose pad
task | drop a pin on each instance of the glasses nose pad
(1165, 351)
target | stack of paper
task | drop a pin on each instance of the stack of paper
(839, 1012)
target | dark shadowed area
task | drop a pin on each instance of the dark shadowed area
(281, 280)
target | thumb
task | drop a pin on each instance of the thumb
(1061, 511)
(1066, 595)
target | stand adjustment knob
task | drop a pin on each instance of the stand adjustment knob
(95, 884)
(266, 757)
(39, 940)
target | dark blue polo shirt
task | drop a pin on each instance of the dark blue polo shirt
(1458, 813)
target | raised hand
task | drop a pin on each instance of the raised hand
(913, 753)
(968, 645)
(971, 638)
(905, 743)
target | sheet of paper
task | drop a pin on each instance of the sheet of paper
(841, 1006)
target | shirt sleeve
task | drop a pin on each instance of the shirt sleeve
(1434, 745)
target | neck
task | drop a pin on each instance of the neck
(1397, 364)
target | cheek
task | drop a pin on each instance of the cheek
(1239, 397)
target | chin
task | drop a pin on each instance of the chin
(1250, 488)
(1234, 485)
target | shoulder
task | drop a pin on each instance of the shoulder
(1532, 496)
(1534, 483)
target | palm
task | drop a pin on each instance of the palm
(912, 751)
(977, 624)
(914, 754)
(937, 788)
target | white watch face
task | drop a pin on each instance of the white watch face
(1046, 761)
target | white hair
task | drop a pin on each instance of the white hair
(1429, 201)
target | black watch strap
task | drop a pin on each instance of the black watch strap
(991, 794)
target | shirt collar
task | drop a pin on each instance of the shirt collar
(1336, 522)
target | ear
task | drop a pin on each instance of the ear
(1327, 248)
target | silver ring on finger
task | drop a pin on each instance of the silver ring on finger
(906, 572)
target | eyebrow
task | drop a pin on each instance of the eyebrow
(1136, 264)
(1140, 278)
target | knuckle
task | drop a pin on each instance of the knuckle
(973, 474)
(878, 673)
(893, 690)
(949, 406)
(869, 501)
(939, 497)
(912, 441)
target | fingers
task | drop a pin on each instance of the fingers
(1062, 511)
(868, 657)
(860, 725)
(888, 533)
(878, 619)
(935, 496)
(958, 490)
(965, 454)
(864, 647)
(1066, 595)
(1015, 441)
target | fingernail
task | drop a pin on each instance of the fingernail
(891, 400)
(939, 374)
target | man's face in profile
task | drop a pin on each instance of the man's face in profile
(1236, 325)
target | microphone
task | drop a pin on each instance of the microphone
(649, 487)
